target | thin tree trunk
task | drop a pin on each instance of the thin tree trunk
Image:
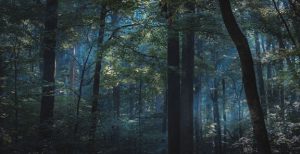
(216, 114)
(96, 84)
(224, 117)
(165, 111)
(131, 102)
(284, 23)
(2, 84)
(198, 117)
(30, 55)
(2, 76)
(238, 95)
(208, 112)
(16, 101)
(198, 122)
(296, 24)
(249, 80)
(140, 120)
(261, 83)
(240, 117)
(164, 119)
(269, 85)
(79, 95)
(116, 100)
(48, 89)
(217, 138)
(72, 69)
(281, 85)
(198, 103)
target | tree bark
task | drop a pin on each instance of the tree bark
(96, 83)
(249, 80)
(116, 124)
(186, 104)
(48, 89)
(173, 89)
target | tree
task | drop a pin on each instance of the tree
(259, 70)
(81, 80)
(173, 86)
(198, 100)
(215, 96)
(224, 116)
(186, 102)
(116, 125)
(48, 90)
(248, 74)
(96, 82)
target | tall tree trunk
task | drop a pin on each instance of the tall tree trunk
(261, 83)
(96, 83)
(48, 90)
(268, 88)
(165, 111)
(131, 102)
(215, 104)
(140, 135)
(16, 101)
(186, 104)
(72, 87)
(173, 89)
(116, 100)
(208, 112)
(281, 84)
(2, 76)
(72, 69)
(198, 116)
(2, 85)
(240, 117)
(116, 124)
(198, 102)
(217, 138)
(198, 121)
(253, 101)
(164, 119)
(224, 117)
(30, 55)
(296, 23)
(238, 95)
(284, 23)
(269, 85)
(79, 95)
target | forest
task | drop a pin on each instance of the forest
(150, 76)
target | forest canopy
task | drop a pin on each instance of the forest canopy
(150, 76)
